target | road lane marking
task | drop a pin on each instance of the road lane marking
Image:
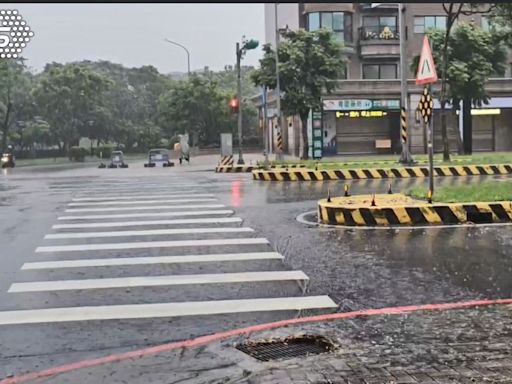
(150, 232)
(118, 261)
(156, 214)
(134, 187)
(151, 244)
(130, 197)
(144, 311)
(149, 207)
(213, 220)
(141, 201)
(154, 281)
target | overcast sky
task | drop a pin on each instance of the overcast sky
(133, 34)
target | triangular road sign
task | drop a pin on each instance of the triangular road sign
(426, 68)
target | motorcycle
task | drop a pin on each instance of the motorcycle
(7, 160)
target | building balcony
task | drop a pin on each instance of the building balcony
(379, 41)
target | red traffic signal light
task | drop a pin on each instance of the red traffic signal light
(234, 105)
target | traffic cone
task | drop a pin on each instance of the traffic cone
(346, 190)
(389, 189)
(373, 200)
(328, 195)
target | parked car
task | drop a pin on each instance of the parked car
(158, 157)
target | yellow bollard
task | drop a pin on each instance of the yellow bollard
(429, 196)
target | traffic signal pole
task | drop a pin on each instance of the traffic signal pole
(405, 157)
(239, 97)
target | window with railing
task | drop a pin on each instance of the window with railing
(424, 23)
(379, 28)
(338, 22)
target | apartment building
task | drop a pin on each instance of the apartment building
(362, 115)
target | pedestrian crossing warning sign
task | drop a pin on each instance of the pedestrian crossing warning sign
(426, 68)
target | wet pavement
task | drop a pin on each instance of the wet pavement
(356, 268)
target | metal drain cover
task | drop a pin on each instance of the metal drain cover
(288, 348)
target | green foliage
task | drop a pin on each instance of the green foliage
(103, 151)
(196, 106)
(77, 153)
(69, 96)
(15, 103)
(308, 62)
(473, 56)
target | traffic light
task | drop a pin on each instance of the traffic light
(234, 105)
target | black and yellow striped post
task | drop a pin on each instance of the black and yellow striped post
(280, 141)
(405, 157)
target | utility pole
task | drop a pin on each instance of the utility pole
(279, 153)
(239, 97)
(265, 125)
(405, 157)
(240, 51)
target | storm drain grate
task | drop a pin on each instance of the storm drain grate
(288, 348)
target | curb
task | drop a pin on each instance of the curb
(415, 214)
(235, 169)
(380, 173)
(202, 340)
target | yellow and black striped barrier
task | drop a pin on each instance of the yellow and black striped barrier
(279, 166)
(235, 169)
(337, 213)
(226, 161)
(379, 173)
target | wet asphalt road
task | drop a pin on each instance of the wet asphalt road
(355, 268)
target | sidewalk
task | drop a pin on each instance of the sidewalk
(471, 345)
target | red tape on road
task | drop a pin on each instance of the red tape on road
(241, 331)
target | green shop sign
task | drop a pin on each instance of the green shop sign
(360, 104)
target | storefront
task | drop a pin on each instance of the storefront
(361, 126)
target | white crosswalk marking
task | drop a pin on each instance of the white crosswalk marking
(145, 311)
(153, 260)
(151, 244)
(138, 196)
(148, 214)
(101, 203)
(153, 281)
(214, 220)
(216, 257)
(150, 232)
(152, 207)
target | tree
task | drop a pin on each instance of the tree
(68, 95)
(195, 106)
(453, 11)
(472, 56)
(308, 62)
(14, 91)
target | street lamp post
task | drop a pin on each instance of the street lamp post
(279, 153)
(186, 50)
(240, 52)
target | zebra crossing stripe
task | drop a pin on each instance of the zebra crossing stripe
(152, 207)
(154, 281)
(144, 196)
(148, 214)
(214, 220)
(118, 261)
(98, 203)
(150, 232)
(162, 310)
(151, 244)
